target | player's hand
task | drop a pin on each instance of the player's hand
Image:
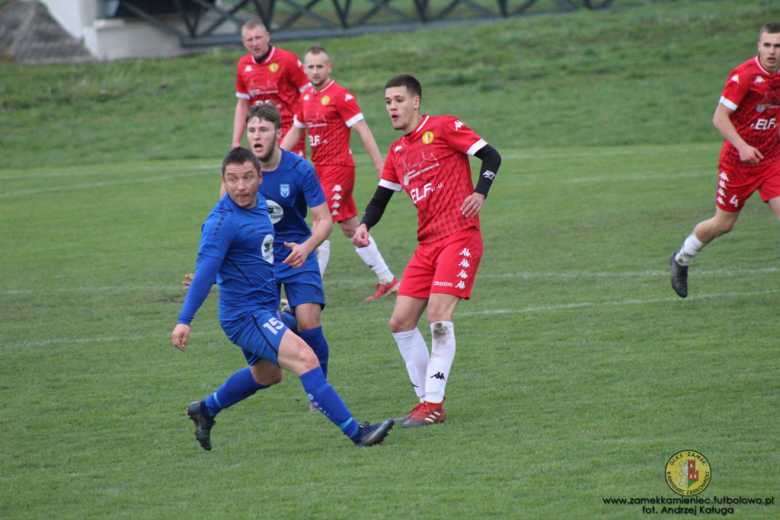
(472, 205)
(361, 238)
(187, 281)
(750, 155)
(298, 255)
(180, 335)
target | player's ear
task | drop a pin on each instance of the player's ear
(416, 101)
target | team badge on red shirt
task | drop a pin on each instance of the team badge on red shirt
(427, 137)
(325, 100)
(273, 67)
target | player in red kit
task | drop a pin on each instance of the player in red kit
(267, 75)
(329, 113)
(747, 116)
(430, 162)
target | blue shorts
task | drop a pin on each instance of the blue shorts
(302, 285)
(259, 336)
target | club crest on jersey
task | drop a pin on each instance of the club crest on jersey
(273, 67)
(284, 190)
(268, 249)
(427, 137)
(325, 100)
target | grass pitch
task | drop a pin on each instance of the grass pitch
(579, 372)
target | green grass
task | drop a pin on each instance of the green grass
(578, 373)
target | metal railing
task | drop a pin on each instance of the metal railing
(301, 19)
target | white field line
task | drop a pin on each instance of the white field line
(160, 168)
(328, 322)
(101, 184)
(524, 275)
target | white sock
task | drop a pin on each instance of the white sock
(323, 255)
(415, 353)
(690, 248)
(442, 354)
(373, 259)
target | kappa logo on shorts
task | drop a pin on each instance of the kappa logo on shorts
(460, 285)
(462, 274)
(336, 205)
(284, 190)
(465, 252)
(337, 187)
(724, 176)
(465, 263)
(442, 284)
(336, 196)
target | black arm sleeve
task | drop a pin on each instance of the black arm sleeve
(376, 208)
(491, 161)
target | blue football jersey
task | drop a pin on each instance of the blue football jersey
(236, 251)
(290, 190)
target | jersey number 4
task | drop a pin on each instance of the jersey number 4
(273, 325)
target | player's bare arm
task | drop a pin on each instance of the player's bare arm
(722, 122)
(369, 143)
(300, 252)
(291, 138)
(239, 123)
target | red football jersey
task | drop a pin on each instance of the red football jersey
(432, 165)
(279, 79)
(328, 115)
(753, 94)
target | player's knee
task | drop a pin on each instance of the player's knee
(400, 325)
(267, 374)
(307, 359)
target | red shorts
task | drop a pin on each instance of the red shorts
(338, 182)
(446, 266)
(736, 185)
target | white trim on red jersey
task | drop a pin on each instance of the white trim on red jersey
(297, 123)
(351, 121)
(390, 185)
(728, 103)
(479, 145)
(243, 96)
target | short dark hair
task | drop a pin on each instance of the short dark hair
(771, 28)
(265, 112)
(405, 80)
(240, 155)
(318, 49)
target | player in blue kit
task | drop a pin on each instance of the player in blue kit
(290, 186)
(236, 251)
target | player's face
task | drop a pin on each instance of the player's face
(403, 108)
(317, 68)
(241, 181)
(262, 137)
(769, 51)
(256, 41)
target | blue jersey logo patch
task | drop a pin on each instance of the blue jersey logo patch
(284, 190)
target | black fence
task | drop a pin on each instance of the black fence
(198, 22)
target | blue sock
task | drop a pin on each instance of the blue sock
(289, 320)
(328, 401)
(316, 340)
(238, 387)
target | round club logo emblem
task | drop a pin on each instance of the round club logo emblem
(688, 473)
(427, 137)
(273, 67)
(325, 100)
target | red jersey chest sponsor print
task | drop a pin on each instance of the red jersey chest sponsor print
(753, 94)
(277, 80)
(431, 164)
(328, 116)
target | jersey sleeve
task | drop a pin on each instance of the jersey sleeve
(241, 90)
(348, 108)
(735, 90)
(389, 178)
(214, 242)
(297, 76)
(312, 191)
(460, 137)
(298, 117)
